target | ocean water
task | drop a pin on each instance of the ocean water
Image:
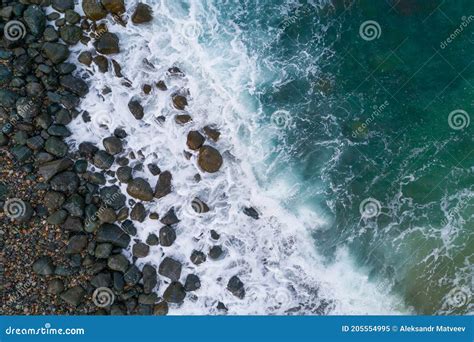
(341, 138)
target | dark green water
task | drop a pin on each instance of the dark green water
(369, 119)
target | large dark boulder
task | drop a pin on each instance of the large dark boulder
(170, 268)
(140, 189)
(56, 52)
(163, 186)
(107, 44)
(210, 160)
(236, 287)
(174, 293)
(93, 9)
(113, 234)
(74, 84)
(142, 14)
(35, 19)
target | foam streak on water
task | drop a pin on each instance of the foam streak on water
(275, 256)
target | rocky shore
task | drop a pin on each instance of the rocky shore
(65, 222)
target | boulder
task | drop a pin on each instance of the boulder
(66, 182)
(192, 283)
(44, 266)
(236, 287)
(113, 234)
(142, 14)
(74, 84)
(195, 140)
(174, 293)
(93, 9)
(150, 279)
(136, 109)
(140, 250)
(113, 145)
(163, 186)
(140, 189)
(114, 6)
(56, 52)
(35, 19)
(118, 262)
(170, 268)
(210, 160)
(180, 102)
(167, 236)
(107, 44)
(74, 295)
(76, 244)
(49, 169)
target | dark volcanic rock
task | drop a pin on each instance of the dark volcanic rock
(107, 44)
(174, 293)
(66, 182)
(56, 147)
(8, 98)
(43, 266)
(142, 14)
(236, 287)
(167, 236)
(103, 160)
(114, 6)
(74, 295)
(138, 212)
(76, 244)
(35, 19)
(139, 188)
(48, 170)
(215, 252)
(70, 34)
(56, 52)
(140, 250)
(251, 212)
(169, 218)
(118, 262)
(195, 140)
(113, 145)
(74, 84)
(62, 5)
(192, 283)
(212, 133)
(136, 109)
(124, 174)
(72, 224)
(150, 279)
(180, 102)
(210, 160)
(87, 150)
(163, 186)
(102, 63)
(93, 9)
(133, 275)
(170, 268)
(85, 58)
(197, 257)
(113, 234)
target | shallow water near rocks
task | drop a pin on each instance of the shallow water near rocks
(313, 120)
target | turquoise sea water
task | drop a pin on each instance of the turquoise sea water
(366, 118)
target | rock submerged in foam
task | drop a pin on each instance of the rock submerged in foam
(142, 14)
(210, 160)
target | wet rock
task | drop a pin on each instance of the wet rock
(150, 279)
(73, 224)
(103, 160)
(212, 133)
(56, 52)
(85, 58)
(113, 234)
(163, 186)
(59, 131)
(66, 182)
(169, 218)
(118, 262)
(124, 174)
(72, 17)
(210, 160)
(132, 276)
(142, 14)
(195, 140)
(102, 63)
(140, 250)
(114, 6)
(154, 169)
(152, 240)
(146, 89)
(214, 235)
(183, 119)
(57, 217)
(48, 170)
(62, 5)
(44, 266)
(93, 9)
(192, 283)
(76, 244)
(55, 286)
(236, 287)
(102, 280)
(161, 85)
(56, 147)
(148, 299)
(174, 293)
(160, 309)
(138, 212)
(221, 307)
(35, 20)
(113, 145)
(5, 75)
(198, 257)
(74, 84)
(107, 44)
(87, 150)
(251, 212)
(136, 109)
(180, 102)
(70, 34)
(53, 200)
(75, 205)
(74, 295)
(215, 252)
(170, 268)
(106, 215)
(140, 189)
(167, 236)
(117, 68)
(103, 250)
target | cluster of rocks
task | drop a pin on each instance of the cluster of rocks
(39, 94)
